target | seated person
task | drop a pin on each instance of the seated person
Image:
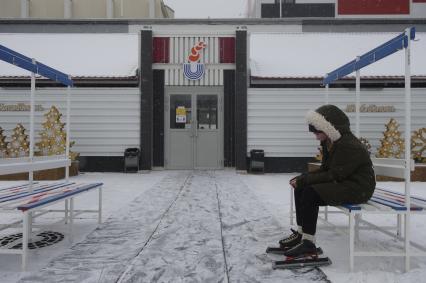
(346, 176)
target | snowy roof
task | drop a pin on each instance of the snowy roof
(290, 55)
(310, 55)
(94, 55)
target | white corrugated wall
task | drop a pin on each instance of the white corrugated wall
(276, 117)
(104, 121)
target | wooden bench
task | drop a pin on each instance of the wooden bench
(383, 202)
(31, 200)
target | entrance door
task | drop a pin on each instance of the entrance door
(194, 128)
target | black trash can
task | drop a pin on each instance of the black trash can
(257, 161)
(131, 159)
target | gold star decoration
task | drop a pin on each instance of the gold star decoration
(418, 145)
(53, 136)
(392, 145)
(3, 144)
(19, 146)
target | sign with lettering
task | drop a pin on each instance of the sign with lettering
(19, 107)
(372, 108)
(180, 114)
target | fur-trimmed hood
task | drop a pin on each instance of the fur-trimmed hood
(330, 120)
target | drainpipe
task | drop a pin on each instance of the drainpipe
(152, 9)
(109, 9)
(67, 9)
(25, 9)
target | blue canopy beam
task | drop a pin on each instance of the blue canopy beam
(24, 62)
(398, 43)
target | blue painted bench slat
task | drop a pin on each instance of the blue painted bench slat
(59, 196)
(26, 193)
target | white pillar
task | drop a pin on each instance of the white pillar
(110, 9)
(67, 9)
(407, 147)
(281, 9)
(357, 101)
(25, 9)
(32, 106)
(68, 126)
(326, 94)
(152, 9)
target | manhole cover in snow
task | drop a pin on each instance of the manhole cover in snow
(41, 240)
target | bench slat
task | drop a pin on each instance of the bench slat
(400, 194)
(392, 205)
(26, 193)
(16, 187)
(59, 196)
(398, 199)
(24, 190)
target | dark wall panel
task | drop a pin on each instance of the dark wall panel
(227, 49)
(116, 164)
(158, 131)
(298, 10)
(374, 7)
(161, 50)
(241, 85)
(101, 164)
(146, 87)
(229, 117)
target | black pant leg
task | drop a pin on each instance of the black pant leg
(298, 193)
(310, 202)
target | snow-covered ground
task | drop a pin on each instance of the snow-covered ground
(191, 226)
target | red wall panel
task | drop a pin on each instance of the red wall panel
(374, 7)
(227, 49)
(160, 49)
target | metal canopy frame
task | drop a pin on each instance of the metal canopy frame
(22, 61)
(31, 164)
(402, 41)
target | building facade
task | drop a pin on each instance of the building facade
(371, 9)
(195, 101)
(82, 9)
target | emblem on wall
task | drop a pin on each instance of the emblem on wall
(194, 70)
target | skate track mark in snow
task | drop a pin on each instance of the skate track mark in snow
(107, 251)
(248, 228)
(199, 226)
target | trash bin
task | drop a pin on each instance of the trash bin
(257, 161)
(131, 159)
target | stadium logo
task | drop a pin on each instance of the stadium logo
(194, 70)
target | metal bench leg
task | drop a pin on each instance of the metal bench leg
(407, 241)
(351, 241)
(399, 225)
(25, 231)
(357, 221)
(326, 213)
(100, 205)
(291, 206)
(71, 220)
(66, 211)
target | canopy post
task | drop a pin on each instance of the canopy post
(407, 147)
(68, 126)
(32, 106)
(357, 100)
(327, 94)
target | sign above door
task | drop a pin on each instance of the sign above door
(194, 70)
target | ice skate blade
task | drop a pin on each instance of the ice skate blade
(300, 263)
(281, 251)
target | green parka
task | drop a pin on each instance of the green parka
(346, 174)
